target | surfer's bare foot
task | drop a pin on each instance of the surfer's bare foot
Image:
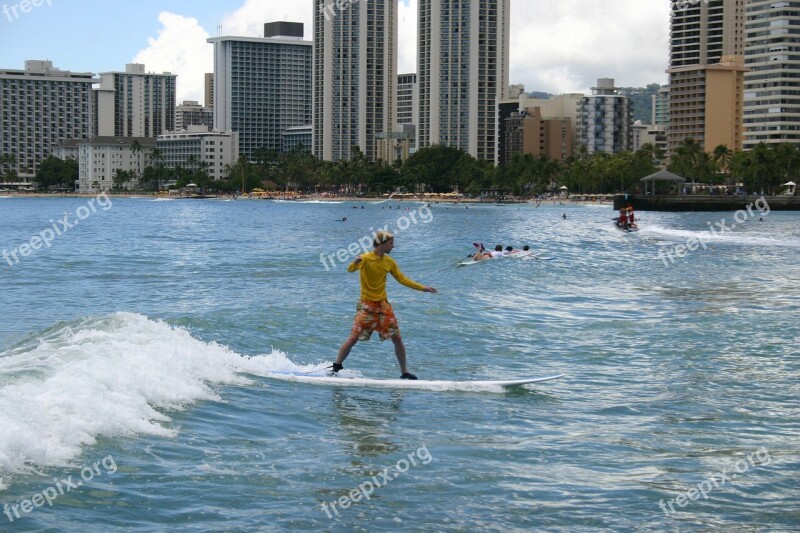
(408, 375)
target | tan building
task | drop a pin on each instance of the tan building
(394, 146)
(555, 114)
(707, 105)
(706, 69)
(528, 132)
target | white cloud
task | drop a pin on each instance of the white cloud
(407, 37)
(248, 20)
(565, 46)
(181, 49)
(555, 47)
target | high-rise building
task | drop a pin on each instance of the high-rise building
(772, 86)
(605, 119)
(706, 70)
(191, 113)
(134, 103)
(262, 87)
(40, 107)
(463, 61)
(355, 73)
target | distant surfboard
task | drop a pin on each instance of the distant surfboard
(322, 378)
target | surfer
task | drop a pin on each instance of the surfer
(373, 311)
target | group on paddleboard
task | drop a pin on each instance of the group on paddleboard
(498, 253)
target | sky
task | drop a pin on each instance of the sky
(557, 46)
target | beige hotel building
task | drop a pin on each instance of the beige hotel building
(707, 73)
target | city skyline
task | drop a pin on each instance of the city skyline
(549, 42)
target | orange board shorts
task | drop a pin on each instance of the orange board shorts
(375, 316)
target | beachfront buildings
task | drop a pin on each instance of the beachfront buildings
(198, 148)
(538, 126)
(191, 113)
(706, 73)
(41, 107)
(605, 119)
(463, 62)
(529, 132)
(772, 85)
(100, 158)
(134, 103)
(355, 72)
(262, 86)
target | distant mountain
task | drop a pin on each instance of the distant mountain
(641, 98)
(539, 94)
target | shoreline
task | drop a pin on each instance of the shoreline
(300, 199)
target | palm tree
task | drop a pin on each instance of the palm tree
(136, 150)
(7, 160)
(157, 157)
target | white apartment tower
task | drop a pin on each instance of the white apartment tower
(134, 103)
(355, 73)
(41, 107)
(262, 86)
(463, 62)
(772, 86)
(605, 119)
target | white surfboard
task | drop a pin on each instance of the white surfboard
(514, 255)
(322, 378)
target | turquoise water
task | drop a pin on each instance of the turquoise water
(137, 344)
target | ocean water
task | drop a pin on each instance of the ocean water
(137, 338)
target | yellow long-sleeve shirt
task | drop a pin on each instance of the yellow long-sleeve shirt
(373, 276)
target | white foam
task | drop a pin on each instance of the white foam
(730, 237)
(115, 376)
